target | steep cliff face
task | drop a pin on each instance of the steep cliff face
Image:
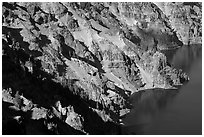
(149, 23)
(186, 20)
(74, 65)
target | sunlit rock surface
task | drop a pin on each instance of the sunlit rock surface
(186, 20)
(69, 68)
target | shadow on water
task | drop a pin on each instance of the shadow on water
(147, 104)
(159, 111)
(183, 57)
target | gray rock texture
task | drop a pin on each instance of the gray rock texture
(73, 65)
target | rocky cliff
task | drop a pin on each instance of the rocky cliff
(69, 68)
(186, 20)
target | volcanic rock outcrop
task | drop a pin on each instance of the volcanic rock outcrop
(186, 20)
(69, 68)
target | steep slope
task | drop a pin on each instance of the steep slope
(77, 63)
(186, 20)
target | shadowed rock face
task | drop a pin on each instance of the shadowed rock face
(69, 68)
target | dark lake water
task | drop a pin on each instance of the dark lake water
(171, 112)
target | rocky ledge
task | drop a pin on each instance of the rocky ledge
(69, 68)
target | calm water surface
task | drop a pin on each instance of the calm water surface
(170, 111)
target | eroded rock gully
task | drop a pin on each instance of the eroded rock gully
(69, 68)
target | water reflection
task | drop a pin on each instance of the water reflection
(183, 57)
(159, 111)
